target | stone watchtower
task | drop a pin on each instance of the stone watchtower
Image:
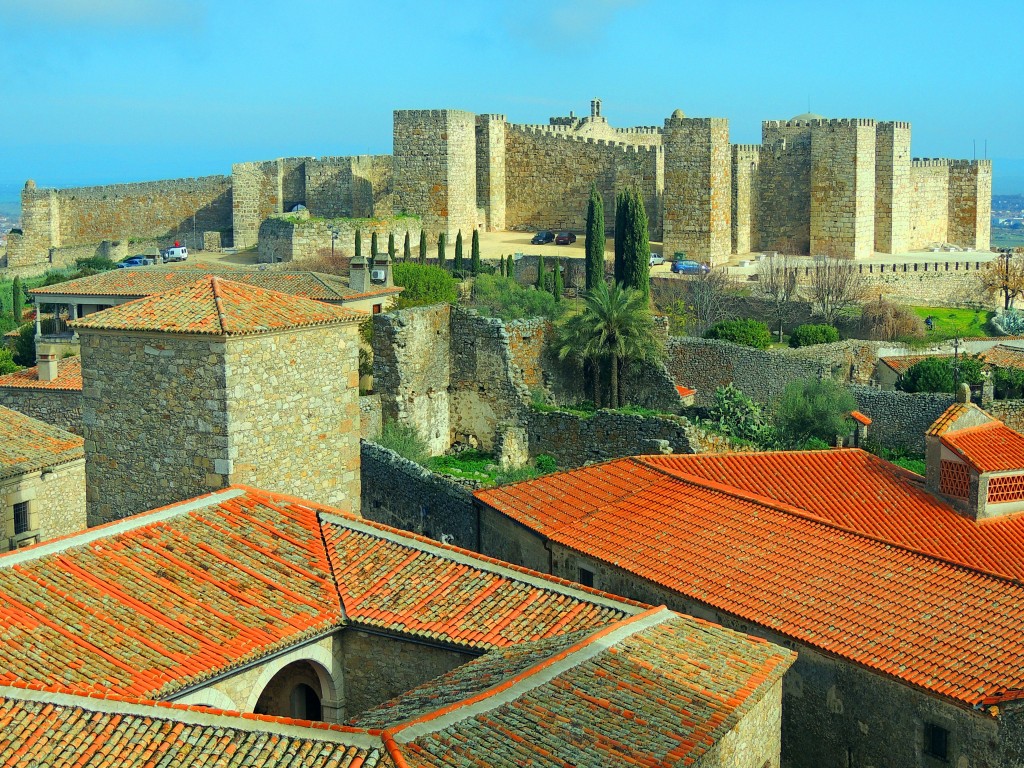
(217, 383)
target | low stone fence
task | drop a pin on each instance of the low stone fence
(290, 237)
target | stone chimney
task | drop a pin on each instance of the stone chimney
(358, 280)
(46, 361)
(380, 271)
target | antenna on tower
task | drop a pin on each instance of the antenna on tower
(975, 148)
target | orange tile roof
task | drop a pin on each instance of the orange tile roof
(903, 363)
(217, 306)
(948, 418)
(991, 447)
(69, 377)
(912, 616)
(27, 445)
(685, 391)
(1004, 356)
(860, 417)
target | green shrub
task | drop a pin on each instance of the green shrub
(1008, 383)
(404, 440)
(750, 333)
(25, 346)
(7, 322)
(503, 297)
(1012, 322)
(7, 364)
(736, 415)
(545, 463)
(814, 409)
(424, 284)
(95, 263)
(935, 374)
(806, 335)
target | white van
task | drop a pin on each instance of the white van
(177, 252)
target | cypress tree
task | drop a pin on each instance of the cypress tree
(556, 284)
(636, 246)
(621, 205)
(458, 253)
(440, 250)
(510, 267)
(391, 245)
(423, 246)
(595, 239)
(17, 300)
(373, 245)
(474, 254)
(407, 248)
(359, 243)
(540, 272)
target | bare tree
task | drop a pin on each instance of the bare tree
(776, 281)
(706, 301)
(1004, 276)
(836, 287)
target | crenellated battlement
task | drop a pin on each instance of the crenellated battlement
(896, 124)
(746, 149)
(786, 123)
(563, 134)
(649, 130)
(493, 117)
(430, 114)
(845, 122)
(931, 162)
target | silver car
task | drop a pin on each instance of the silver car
(656, 259)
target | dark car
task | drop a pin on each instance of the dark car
(688, 267)
(545, 236)
(565, 238)
(134, 261)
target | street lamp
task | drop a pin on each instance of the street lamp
(334, 236)
(956, 363)
(1006, 254)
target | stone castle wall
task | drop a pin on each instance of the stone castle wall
(929, 202)
(548, 177)
(970, 203)
(893, 187)
(287, 237)
(843, 188)
(491, 132)
(745, 178)
(784, 182)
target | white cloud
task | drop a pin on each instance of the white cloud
(145, 14)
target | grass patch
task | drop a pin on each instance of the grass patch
(951, 321)
(483, 468)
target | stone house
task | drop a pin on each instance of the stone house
(243, 627)
(42, 481)
(902, 595)
(50, 391)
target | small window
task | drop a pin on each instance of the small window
(376, 309)
(936, 741)
(586, 577)
(20, 518)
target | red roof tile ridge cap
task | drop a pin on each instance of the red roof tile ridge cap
(114, 527)
(215, 286)
(805, 514)
(214, 716)
(535, 676)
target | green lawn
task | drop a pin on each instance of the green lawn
(950, 322)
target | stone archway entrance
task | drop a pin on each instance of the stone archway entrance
(295, 691)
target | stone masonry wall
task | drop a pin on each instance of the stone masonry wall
(843, 187)
(257, 194)
(755, 741)
(61, 409)
(893, 187)
(698, 188)
(929, 202)
(970, 203)
(349, 187)
(293, 413)
(370, 417)
(402, 494)
(490, 169)
(56, 502)
(900, 419)
(784, 182)
(287, 237)
(548, 178)
(745, 159)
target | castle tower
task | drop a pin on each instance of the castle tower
(698, 187)
(893, 187)
(843, 188)
(784, 186)
(490, 169)
(217, 383)
(745, 160)
(434, 168)
(40, 227)
(970, 203)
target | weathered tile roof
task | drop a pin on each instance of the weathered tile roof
(27, 445)
(991, 447)
(903, 363)
(653, 689)
(148, 281)
(1000, 356)
(213, 305)
(948, 418)
(913, 616)
(69, 377)
(46, 729)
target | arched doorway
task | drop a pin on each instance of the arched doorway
(295, 691)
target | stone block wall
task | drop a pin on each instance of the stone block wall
(929, 202)
(288, 237)
(843, 187)
(893, 187)
(548, 177)
(698, 188)
(257, 194)
(370, 417)
(900, 419)
(970, 203)
(56, 502)
(784, 181)
(490, 169)
(755, 741)
(348, 187)
(59, 408)
(40, 228)
(435, 169)
(745, 159)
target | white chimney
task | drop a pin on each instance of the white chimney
(46, 360)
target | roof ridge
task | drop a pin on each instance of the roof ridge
(807, 515)
(216, 288)
(535, 676)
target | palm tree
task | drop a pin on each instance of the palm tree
(615, 325)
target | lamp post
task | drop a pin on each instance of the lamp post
(1006, 254)
(956, 363)
(334, 236)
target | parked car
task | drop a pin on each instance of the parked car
(542, 237)
(656, 259)
(177, 252)
(565, 238)
(688, 267)
(134, 261)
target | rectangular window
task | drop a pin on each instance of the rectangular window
(936, 741)
(586, 577)
(376, 309)
(20, 517)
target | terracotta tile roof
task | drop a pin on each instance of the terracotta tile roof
(217, 306)
(908, 615)
(138, 283)
(654, 689)
(1004, 356)
(948, 418)
(991, 447)
(27, 445)
(44, 729)
(903, 363)
(861, 418)
(69, 377)
(685, 391)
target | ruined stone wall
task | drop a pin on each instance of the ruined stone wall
(490, 169)
(697, 203)
(293, 413)
(435, 169)
(784, 181)
(527, 343)
(257, 194)
(970, 203)
(843, 187)
(548, 178)
(929, 202)
(893, 187)
(370, 417)
(288, 237)
(40, 228)
(59, 408)
(402, 494)
(745, 159)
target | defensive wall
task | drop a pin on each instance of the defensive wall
(290, 237)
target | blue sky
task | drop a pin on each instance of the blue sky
(99, 91)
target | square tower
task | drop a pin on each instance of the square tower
(843, 188)
(745, 160)
(217, 383)
(490, 169)
(697, 202)
(893, 187)
(970, 203)
(435, 169)
(783, 203)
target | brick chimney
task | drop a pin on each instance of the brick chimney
(380, 271)
(358, 280)
(46, 362)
